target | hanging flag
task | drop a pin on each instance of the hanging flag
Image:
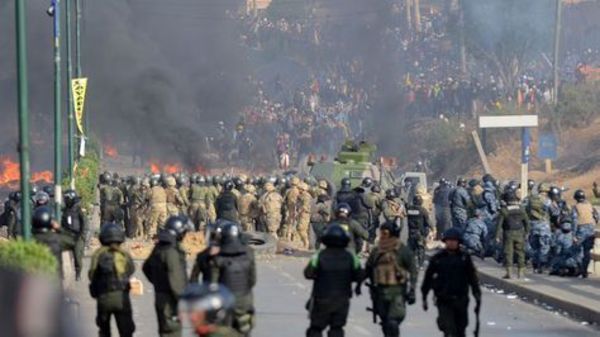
(79, 86)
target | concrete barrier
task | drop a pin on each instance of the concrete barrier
(594, 268)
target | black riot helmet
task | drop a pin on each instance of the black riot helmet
(473, 183)
(510, 196)
(488, 178)
(452, 234)
(231, 238)
(418, 200)
(367, 182)
(555, 193)
(182, 180)
(392, 227)
(212, 233)
(530, 184)
(111, 233)
(176, 227)
(42, 219)
(462, 182)
(214, 299)
(346, 183)
(238, 182)
(343, 210)
(228, 186)
(391, 194)
(106, 178)
(15, 196)
(335, 236)
(376, 188)
(70, 198)
(41, 198)
(49, 189)
(579, 196)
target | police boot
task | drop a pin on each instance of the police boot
(521, 273)
(508, 275)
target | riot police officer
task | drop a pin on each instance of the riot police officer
(513, 227)
(166, 270)
(227, 203)
(354, 229)
(333, 270)
(110, 270)
(11, 218)
(450, 274)
(208, 307)
(74, 222)
(345, 195)
(234, 267)
(460, 203)
(393, 276)
(47, 231)
(202, 265)
(541, 234)
(418, 228)
(585, 217)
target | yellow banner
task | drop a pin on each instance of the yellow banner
(79, 86)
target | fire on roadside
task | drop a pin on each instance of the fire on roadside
(156, 167)
(110, 151)
(10, 174)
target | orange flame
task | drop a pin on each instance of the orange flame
(110, 151)
(10, 174)
(156, 167)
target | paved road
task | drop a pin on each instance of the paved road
(282, 292)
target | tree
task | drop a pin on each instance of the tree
(508, 34)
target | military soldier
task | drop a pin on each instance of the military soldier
(158, 207)
(74, 223)
(585, 218)
(211, 198)
(111, 199)
(198, 202)
(139, 200)
(333, 270)
(596, 190)
(270, 205)
(110, 270)
(234, 267)
(540, 238)
(345, 195)
(320, 216)
(354, 230)
(513, 226)
(208, 306)
(419, 226)
(47, 231)
(377, 199)
(227, 203)
(166, 270)
(392, 208)
(290, 221)
(184, 192)
(304, 211)
(450, 274)
(174, 200)
(248, 208)
(393, 275)
(567, 257)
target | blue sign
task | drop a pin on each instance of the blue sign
(548, 146)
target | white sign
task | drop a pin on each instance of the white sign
(508, 121)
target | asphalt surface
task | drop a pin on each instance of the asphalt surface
(282, 292)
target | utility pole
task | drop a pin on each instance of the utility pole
(463, 48)
(57, 111)
(70, 124)
(22, 99)
(408, 9)
(555, 63)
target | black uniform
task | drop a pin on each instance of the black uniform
(75, 224)
(58, 242)
(11, 218)
(227, 206)
(344, 196)
(418, 229)
(109, 275)
(354, 230)
(235, 268)
(449, 275)
(166, 270)
(333, 271)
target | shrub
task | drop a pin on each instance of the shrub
(28, 256)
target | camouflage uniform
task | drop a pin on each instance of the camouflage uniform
(184, 192)
(290, 208)
(198, 211)
(174, 199)
(139, 196)
(158, 209)
(304, 208)
(211, 197)
(270, 205)
(248, 208)
(111, 199)
(393, 210)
